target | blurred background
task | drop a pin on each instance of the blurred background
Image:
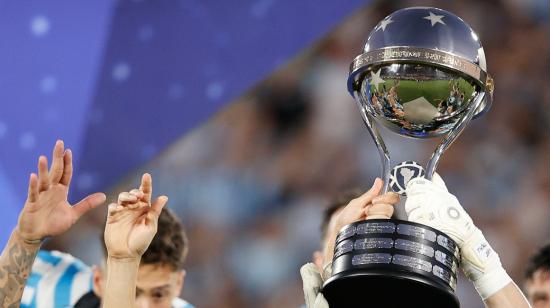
(240, 112)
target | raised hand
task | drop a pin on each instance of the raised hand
(132, 222)
(430, 203)
(47, 211)
(370, 205)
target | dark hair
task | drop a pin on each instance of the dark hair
(169, 246)
(539, 261)
(337, 203)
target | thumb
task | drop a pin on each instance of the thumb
(158, 205)
(90, 202)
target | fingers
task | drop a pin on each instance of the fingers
(56, 169)
(43, 178)
(132, 199)
(33, 188)
(111, 208)
(125, 198)
(379, 211)
(382, 207)
(138, 193)
(367, 197)
(158, 205)
(67, 168)
(90, 202)
(147, 187)
(387, 198)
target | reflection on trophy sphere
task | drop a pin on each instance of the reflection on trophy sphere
(420, 71)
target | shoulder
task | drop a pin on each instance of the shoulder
(56, 278)
(180, 303)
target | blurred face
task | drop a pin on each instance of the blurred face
(156, 287)
(538, 289)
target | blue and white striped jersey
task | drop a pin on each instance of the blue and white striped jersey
(59, 280)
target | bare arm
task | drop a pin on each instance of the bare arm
(15, 267)
(45, 213)
(120, 288)
(131, 226)
(508, 297)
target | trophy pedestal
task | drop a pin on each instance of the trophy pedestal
(392, 263)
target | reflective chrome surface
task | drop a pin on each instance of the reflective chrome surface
(417, 100)
(422, 74)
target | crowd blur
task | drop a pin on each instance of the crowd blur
(251, 183)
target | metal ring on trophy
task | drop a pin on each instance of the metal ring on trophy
(409, 245)
(407, 54)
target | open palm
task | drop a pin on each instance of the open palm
(47, 211)
(132, 222)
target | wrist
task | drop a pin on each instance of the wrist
(481, 264)
(123, 259)
(491, 282)
(27, 241)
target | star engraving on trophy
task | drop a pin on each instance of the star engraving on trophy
(435, 19)
(384, 23)
(375, 79)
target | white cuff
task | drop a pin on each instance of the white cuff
(490, 283)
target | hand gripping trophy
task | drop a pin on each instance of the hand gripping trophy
(422, 74)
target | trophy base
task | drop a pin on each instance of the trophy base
(392, 263)
(386, 289)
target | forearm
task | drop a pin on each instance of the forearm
(15, 267)
(120, 289)
(508, 297)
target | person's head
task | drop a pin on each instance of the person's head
(160, 275)
(328, 221)
(537, 278)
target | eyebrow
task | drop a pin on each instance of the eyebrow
(159, 288)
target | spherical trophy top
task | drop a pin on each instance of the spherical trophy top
(420, 72)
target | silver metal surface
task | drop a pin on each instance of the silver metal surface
(422, 74)
(418, 232)
(446, 260)
(376, 227)
(373, 243)
(410, 54)
(442, 273)
(371, 258)
(412, 262)
(414, 247)
(344, 247)
(346, 233)
(448, 244)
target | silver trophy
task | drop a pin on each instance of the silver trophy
(422, 74)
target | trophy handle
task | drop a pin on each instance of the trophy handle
(375, 134)
(451, 137)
